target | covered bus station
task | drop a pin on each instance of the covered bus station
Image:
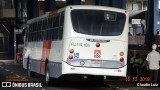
(144, 21)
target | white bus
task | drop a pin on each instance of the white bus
(77, 40)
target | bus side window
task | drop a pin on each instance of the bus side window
(37, 36)
(46, 32)
(55, 34)
(27, 37)
(50, 23)
(40, 36)
(27, 34)
(49, 34)
(57, 21)
(52, 34)
(53, 26)
(44, 35)
(34, 36)
(53, 37)
(30, 28)
(62, 19)
(36, 26)
(30, 37)
(40, 26)
(61, 26)
(60, 33)
(43, 25)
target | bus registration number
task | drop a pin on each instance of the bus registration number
(96, 61)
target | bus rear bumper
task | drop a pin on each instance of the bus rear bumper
(68, 69)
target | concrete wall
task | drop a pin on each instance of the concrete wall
(89, 2)
(7, 13)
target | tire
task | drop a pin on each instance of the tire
(47, 78)
(30, 73)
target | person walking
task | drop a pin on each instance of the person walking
(153, 59)
(157, 39)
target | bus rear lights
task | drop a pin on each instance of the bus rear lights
(121, 59)
(121, 53)
(70, 56)
(72, 68)
(119, 70)
(97, 44)
(71, 50)
(82, 63)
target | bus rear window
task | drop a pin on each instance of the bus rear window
(98, 22)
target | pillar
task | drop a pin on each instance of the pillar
(73, 2)
(152, 22)
(90, 2)
(49, 5)
(113, 3)
(119, 4)
(32, 9)
(105, 3)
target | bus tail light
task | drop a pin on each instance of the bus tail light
(121, 53)
(121, 59)
(97, 44)
(70, 56)
(72, 68)
(71, 50)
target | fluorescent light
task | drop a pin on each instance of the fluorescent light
(57, 0)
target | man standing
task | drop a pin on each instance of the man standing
(153, 59)
(157, 39)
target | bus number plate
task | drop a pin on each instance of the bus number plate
(96, 61)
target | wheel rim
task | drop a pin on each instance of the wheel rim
(47, 77)
(29, 67)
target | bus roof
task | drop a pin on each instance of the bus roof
(45, 15)
(93, 7)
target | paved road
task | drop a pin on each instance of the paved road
(15, 72)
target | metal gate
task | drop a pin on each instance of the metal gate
(4, 39)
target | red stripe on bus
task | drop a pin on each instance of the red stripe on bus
(45, 55)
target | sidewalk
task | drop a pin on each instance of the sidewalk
(8, 62)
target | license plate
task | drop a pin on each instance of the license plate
(96, 61)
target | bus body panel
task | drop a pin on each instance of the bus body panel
(107, 50)
(106, 62)
(110, 51)
(55, 69)
(67, 69)
(56, 51)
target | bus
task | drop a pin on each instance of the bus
(77, 40)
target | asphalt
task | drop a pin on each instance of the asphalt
(8, 62)
(11, 64)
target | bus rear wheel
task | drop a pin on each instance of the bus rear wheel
(47, 78)
(30, 73)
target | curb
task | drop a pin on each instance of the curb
(7, 62)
